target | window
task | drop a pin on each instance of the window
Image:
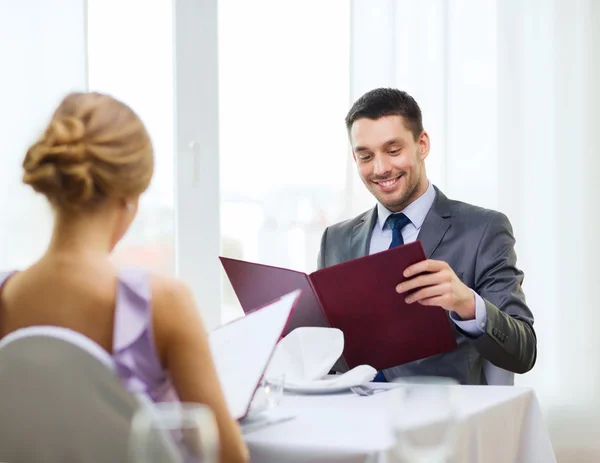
(284, 93)
(137, 68)
(42, 46)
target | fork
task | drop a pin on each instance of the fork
(365, 390)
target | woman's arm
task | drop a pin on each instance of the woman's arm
(182, 345)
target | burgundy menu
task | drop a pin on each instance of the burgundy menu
(358, 297)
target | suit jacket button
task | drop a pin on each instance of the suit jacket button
(495, 332)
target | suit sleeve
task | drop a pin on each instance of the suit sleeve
(509, 341)
(321, 256)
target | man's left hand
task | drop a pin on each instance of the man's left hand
(435, 283)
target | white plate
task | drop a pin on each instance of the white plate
(319, 388)
(357, 376)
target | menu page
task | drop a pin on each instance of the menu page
(242, 349)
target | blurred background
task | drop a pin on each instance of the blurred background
(246, 113)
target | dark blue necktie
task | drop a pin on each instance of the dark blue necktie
(396, 222)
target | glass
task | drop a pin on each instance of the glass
(137, 68)
(283, 96)
(424, 419)
(268, 396)
(174, 432)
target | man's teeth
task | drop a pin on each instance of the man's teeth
(388, 182)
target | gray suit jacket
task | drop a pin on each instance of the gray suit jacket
(479, 246)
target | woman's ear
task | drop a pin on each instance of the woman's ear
(128, 204)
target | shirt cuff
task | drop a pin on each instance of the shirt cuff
(474, 327)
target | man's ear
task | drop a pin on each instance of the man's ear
(424, 145)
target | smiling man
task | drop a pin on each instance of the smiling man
(471, 267)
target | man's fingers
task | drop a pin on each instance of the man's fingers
(420, 281)
(429, 292)
(439, 301)
(425, 266)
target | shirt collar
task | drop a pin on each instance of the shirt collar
(415, 211)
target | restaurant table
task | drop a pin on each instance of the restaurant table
(495, 424)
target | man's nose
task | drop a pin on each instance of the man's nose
(381, 165)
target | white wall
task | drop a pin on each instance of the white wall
(43, 57)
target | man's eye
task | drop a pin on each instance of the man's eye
(394, 152)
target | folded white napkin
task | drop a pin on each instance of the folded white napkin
(307, 354)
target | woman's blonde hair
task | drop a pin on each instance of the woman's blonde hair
(94, 148)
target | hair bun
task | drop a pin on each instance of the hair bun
(65, 130)
(56, 165)
(71, 186)
(94, 149)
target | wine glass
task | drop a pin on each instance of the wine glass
(174, 432)
(424, 419)
(268, 395)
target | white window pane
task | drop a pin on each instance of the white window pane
(130, 56)
(283, 95)
(43, 58)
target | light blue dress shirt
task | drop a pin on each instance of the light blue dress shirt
(416, 211)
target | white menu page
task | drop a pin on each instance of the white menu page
(242, 349)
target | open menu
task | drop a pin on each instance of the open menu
(242, 349)
(358, 297)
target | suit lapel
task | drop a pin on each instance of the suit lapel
(436, 224)
(361, 234)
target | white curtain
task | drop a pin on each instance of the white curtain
(510, 95)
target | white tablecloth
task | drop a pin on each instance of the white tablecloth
(497, 424)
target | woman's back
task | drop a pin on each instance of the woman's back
(111, 307)
(63, 291)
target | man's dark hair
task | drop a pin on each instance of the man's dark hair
(383, 102)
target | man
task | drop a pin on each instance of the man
(471, 268)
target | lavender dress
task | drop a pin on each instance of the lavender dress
(134, 350)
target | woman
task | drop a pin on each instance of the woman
(93, 162)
